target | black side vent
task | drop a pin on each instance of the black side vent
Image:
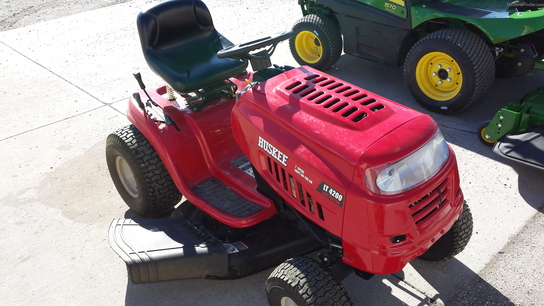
(294, 188)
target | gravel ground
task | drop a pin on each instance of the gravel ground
(20, 13)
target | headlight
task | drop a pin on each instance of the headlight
(410, 171)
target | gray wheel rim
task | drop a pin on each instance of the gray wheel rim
(287, 301)
(126, 176)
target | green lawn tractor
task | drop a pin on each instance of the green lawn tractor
(517, 130)
(451, 49)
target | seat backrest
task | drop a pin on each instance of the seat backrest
(175, 22)
(180, 44)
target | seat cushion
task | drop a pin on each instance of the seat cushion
(190, 69)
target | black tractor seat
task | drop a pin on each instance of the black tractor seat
(180, 42)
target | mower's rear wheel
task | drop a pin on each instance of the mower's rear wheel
(316, 42)
(448, 70)
(302, 281)
(139, 174)
(454, 241)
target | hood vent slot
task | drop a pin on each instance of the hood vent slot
(340, 99)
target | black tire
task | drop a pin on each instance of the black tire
(448, 70)
(316, 42)
(481, 134)
(139, 174)
(303, 281)
(454, 241)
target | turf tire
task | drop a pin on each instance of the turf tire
(150, 191)
(454, 241)
(329, 41)
(470, 53)
(303, 281)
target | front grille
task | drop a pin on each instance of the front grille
(424, 209)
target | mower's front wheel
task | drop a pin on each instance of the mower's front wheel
(454, 241)
(316, 42)
(139, 174)
(302, 281)
(483, 135)
(448, 70)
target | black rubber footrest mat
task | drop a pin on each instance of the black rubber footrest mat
(526, 147)
(225, 199)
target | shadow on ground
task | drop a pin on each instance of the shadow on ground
(455, 283)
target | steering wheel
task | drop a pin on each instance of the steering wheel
(242, 51)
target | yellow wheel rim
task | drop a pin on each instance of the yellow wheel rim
(484, 138)
(439, 76)
(309, 47)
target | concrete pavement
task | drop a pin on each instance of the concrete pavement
(65, 83)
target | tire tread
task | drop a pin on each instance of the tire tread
(329, 34)
(314, 283)
(480, 59)
(454, 241)
(162, 194)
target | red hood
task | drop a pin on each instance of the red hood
(330, 112)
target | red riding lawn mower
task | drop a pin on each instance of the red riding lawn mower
(274, 164)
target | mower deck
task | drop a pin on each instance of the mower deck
(526, 147)
(178, 248)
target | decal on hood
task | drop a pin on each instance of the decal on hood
(331, 194)
(273, 151)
